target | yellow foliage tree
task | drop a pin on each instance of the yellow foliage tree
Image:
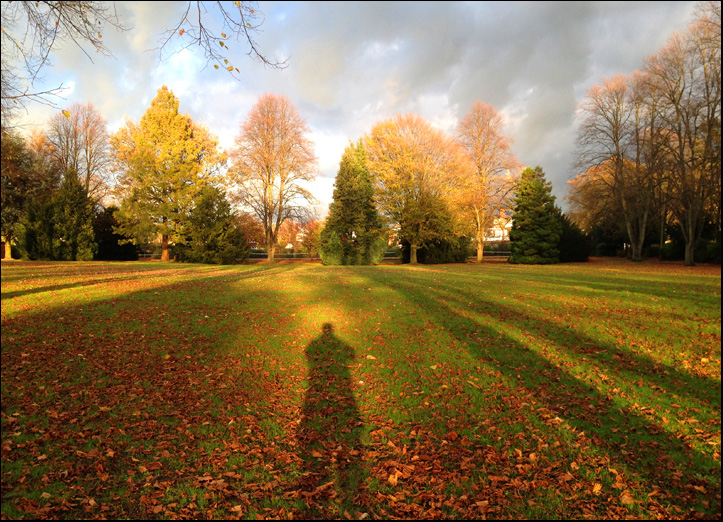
(165, 161)
(417, 172)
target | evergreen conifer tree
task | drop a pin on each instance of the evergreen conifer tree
(212, 234)
(74, 220)
(536, 228)
(353, 233)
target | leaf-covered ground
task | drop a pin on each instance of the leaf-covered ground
(149, 390)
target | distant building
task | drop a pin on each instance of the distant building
(500, 229)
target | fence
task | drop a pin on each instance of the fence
(298, 256)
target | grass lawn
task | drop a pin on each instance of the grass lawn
(149, 390)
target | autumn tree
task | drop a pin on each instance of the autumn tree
(251, 228)
(273, 161)
(488, 187)
(288, 234)
(615, 128)
(353, 215)
(79, 137)
(536, 229)
(165, 161)
(686, 72)
(312, 236)
(416, 169)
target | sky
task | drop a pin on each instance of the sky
(353, 64)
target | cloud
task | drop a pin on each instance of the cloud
(352, 64)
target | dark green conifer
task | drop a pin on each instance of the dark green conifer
(536, 228)
(353, 233)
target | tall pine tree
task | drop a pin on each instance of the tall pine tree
(353, 234)
(536, 228)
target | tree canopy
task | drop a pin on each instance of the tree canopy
(273, 162)
(489, 185)
(165, 161)
(416, 169)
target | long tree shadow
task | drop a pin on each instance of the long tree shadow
(630, 364)
(650, 451)
(330, 430)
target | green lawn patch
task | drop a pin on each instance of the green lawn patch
(149, 390)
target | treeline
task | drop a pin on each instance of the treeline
(649, 147)
(409, 183)
(649, 150)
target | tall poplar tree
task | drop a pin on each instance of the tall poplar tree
(353, 217)
(536, 228)
(167, 159)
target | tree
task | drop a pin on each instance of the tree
(272, 161)
(251, 228)
(486, 191)
(28, 178)
(17, 184)
(574, 244)
(312, 236)
(111, 245)
(536, 228)
(165, 160)
(415, 168)
(352, 213)
(613, 135)
(80, 139)
(74, 220)
(289, 234)
(32, 30)
(686, 72)
(212, 234)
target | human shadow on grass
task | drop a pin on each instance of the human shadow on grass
(330, 429)
(651, 452)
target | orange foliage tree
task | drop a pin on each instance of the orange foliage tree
(492, 179)
(273, 162)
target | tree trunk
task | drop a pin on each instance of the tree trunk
(7, 250)
(480, 246)
(165, 256)
(271, 253)
(662, 235)
(690, 251)
(412, 254)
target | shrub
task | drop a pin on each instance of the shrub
(455, 250)
(331, 249)
(574, 244)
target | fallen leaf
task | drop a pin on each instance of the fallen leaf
(626, 499)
